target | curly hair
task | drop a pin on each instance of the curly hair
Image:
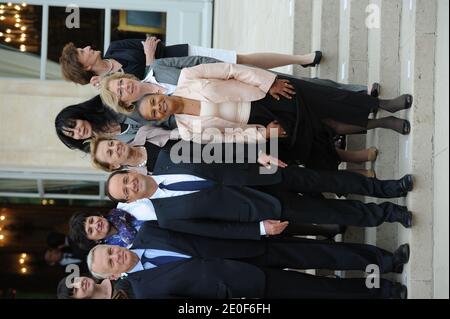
(72, 69)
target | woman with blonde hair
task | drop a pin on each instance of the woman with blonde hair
(310, 114)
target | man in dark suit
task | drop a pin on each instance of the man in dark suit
(240, 201)
(130, 53)
(166, 264)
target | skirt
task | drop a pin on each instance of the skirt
(327, 102)
(310, 143)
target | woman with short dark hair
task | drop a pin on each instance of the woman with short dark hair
(118, 227)
(85, 287)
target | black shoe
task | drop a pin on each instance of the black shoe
(316, 61)
(339, 230)
(408, 101)
(375, 92)
(407, 184)
(340, 141)
(407, 220)
(406, 129)
(401, 257)
(399, 291)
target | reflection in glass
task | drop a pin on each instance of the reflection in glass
(18, 185)
(20, 40)
(71, 187)
(130, 24)
(90, 32)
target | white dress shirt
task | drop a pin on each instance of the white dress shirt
(171, 179)
(152, 253)
(150, 78)
(143, 209)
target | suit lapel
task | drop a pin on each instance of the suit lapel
(155, 273)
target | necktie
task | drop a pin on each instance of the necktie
(188, 186)
(160, 260)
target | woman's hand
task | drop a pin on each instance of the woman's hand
(268, 160)
(282, 87)
(274, 129)
(95, 81)
(150, 46)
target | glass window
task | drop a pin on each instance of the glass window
(71, 187)
(20, 40)
(57, 202)
(129, 24)
(18, 186)
(89, 33)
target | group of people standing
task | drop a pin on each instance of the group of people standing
(218, 166)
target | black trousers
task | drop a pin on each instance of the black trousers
(282, 284)
(306, 209)
(299, 210)
(298, 253)
(303, 180)
(315, 254)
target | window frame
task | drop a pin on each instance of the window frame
(173, 10)
(40, 175)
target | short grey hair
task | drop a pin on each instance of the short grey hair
(90, 261)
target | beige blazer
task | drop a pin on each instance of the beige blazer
(224, 82)
(218, 83)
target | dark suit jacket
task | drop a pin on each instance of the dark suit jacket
(130, 53)
(229, 174)
(228, 210)
(208, 274)
(188, 152)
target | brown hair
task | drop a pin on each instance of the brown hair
(94, 147)
(110, 98)
(72, 69)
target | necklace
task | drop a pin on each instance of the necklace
(111, 66)
(144, 162)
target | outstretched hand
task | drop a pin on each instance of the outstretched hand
(274, 227)
(269, 160)
(283, 88)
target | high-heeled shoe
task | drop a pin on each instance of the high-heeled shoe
(372, 154)
(408, 101)
(376, 88)
(406, 127)
(316, 61)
